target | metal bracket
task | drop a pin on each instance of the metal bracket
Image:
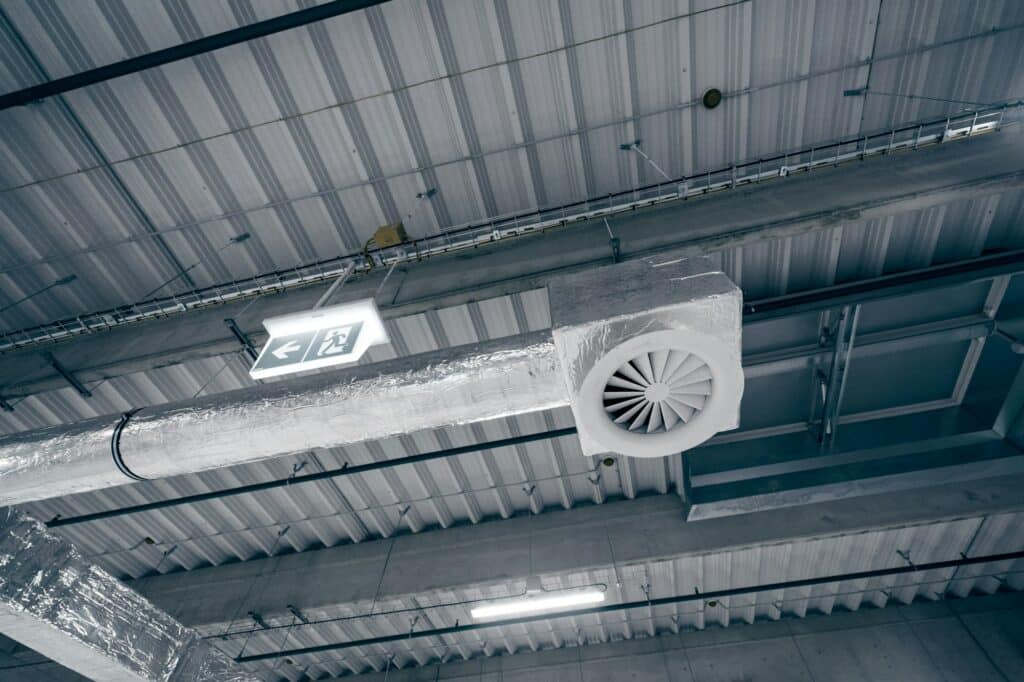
(258, 620)
(115, 447)
(243, 339)
(68, 376)
(297, 613)
(833, 386)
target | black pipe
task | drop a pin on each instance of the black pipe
(901, 284)
(346, 470)
(661, 601)
(192, 48)
(890, 286)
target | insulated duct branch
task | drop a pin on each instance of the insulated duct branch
(462, 385)
(55, 601)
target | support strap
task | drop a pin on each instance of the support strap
(115, 447)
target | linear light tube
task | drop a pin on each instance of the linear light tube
(534, 604)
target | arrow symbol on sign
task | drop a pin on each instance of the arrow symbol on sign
(282, 352)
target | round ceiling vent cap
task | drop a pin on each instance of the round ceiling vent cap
(712, 98)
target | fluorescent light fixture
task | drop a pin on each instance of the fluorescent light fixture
(530, 604)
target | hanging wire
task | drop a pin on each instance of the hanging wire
(227, 363)
(248, 591)
(238, 239)
(56, 283)
(869, 91)
(284, 641)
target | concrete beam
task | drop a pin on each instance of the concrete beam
(584, 538)
(820, 200)
(958, 639)
(64, 607)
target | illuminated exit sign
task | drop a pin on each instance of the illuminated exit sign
(318, 338)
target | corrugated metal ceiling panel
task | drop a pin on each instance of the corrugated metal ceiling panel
(369, 107)
(739, 568)
(370, 96)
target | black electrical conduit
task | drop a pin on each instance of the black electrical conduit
(951, 274)
(345, 470)
(642, 604)
(192, 48)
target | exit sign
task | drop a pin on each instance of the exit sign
(318, 338)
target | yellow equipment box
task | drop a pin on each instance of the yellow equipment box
(389, 235)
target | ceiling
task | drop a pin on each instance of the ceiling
(308, 140)
(635, 583)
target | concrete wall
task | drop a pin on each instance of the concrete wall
(980, 639)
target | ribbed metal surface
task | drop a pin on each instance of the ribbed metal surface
(759, 565)
(312, 138)
(848, 252)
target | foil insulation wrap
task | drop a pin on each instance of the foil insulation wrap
(453, 387)
(461, 385)
(60, 460)
(596, 311)
(54, 600)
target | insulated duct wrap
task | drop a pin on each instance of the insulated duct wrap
(464, 385)
(459, 386)
(608, 317)
(57, 602)
(35, 465)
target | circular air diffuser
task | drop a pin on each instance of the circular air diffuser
(660, 393)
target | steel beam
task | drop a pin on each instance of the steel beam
(1010, 419)
(928, 463)
(62, 606)
(889, 454)
(175, 53)
(869, 345)
(888, 286)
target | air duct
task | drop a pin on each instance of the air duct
(650, 353)
(457, 386)
(646, 353)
